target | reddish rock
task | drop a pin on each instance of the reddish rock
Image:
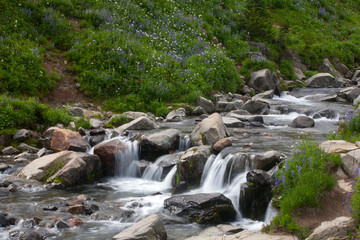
(107, 152)
(221, 144)
(77, 209)
(75, 221)
(63, 139)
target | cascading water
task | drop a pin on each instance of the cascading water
(184, 143)
(154, 171)
(126, 161)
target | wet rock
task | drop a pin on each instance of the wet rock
(25, 156)
(267, 160)
(350, 93)
(216, 232)
(112, 214)
(191, 164)
(209, 130)
(97, 131)
(94, 140)
(12, 188)
(181, 187)
(221, 144)
(25, 147)
(159, 143)
(176, 115)
(66, 167)
(5, 184)
(76, 111)
(63, 139)
(29, 223)
(259, 119)
(231, 122)
(21, 135)
(6, 220)
(168, 162)
(224, 106)
(255, 195)
(75, 221)
(327, 113)
(107, 153)
(338, 228)
(148, 228)
(50, 208)
(256, 107)
(323, 80)
(141, 123)
(3, 167)
(337, 146)
(92, 208)
(264, 80)
(302, 122)
(61, 225)
(351, 162)
(206, 104)
(30, 236)
(77, 209)
(9, 151)
(203, 208)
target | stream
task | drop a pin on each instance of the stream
(144, 194)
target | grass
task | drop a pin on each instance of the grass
(301, 182)
(349, 128)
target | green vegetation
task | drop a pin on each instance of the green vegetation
(302, 182)
(117, 121)
(52, 170)
(142, 55)
(349, 129)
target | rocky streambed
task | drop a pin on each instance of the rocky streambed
(191, 170)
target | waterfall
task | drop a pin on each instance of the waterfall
(154, 171)
(126, 162)
(169, 178)
(270, 213)
(184, 143)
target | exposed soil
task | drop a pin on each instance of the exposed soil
(65, 91)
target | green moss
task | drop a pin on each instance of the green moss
(204, 139)
(178, 178)
(58, 180)
(52, 170)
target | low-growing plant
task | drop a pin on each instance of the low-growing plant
(117, 121)
(349, 128)
(82, 123)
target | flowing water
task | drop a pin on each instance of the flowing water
(143, 194)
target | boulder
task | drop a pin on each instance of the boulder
(327, 113)
(221, 144)
(6, 220)
(66, 167)
(150, 228)
(327, 67)
(356, 76)
(25, 147)
(76, 111)
(192, 162)
(176, 115)
(267, 160)
(299, 74)
(351, 162)
(338, 228)
(302, 122)
(113, 214)
(159, 143)
(264, 80)
(134, 115)
(198, 111)
(141, 123)
(350, 93)
(63, 139)
(323, 80)
(256, 107)
(224, 106)
(3, 167)
(94, 140)
(21, 135)
(337, 146)
(96, 123)
(344, 70)
(209, 130)
(264, 95)
(206, 104)
(9, 151)
(255, 195)
(107, 152)
(232, 122)
(203, 208)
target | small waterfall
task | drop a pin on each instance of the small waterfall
(154, 171)
(184, 143)
(169, 178)
(126, 162)
(270, 213)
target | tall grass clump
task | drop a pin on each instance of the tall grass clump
(302, 182)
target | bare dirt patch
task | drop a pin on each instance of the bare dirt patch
(65, 91)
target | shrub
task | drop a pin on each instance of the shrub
(349, 128)
(117, 121)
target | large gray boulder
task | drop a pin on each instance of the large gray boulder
(302, 122)
(323, 80)
(206, 104)
(108, 152)
(140, 123)
(203, 208)
(327, 67)
(159, 143)
(267, 160)
(209, 130)
(225, 106)
(150, 228)
(21, 135)
(350, 93)
(327, 113)
(264, 80)
(176, 115)
(133, 115)
(337, 146)
(232, 122)
(338, 228)
(192, 162)
(256, 107)
(351, 162)
(264, 95)
(66, 167)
